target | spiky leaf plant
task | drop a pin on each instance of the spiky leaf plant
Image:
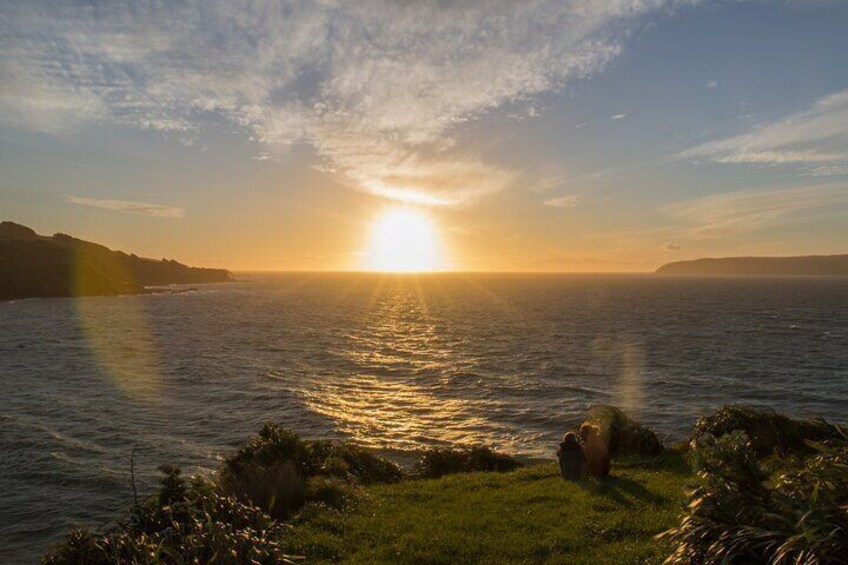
(186, 523)
(751, 510)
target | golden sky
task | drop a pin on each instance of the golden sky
(579, 135)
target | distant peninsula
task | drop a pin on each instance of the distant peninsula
(33, 265)
(809, 265)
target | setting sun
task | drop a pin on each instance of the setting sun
(403, 240)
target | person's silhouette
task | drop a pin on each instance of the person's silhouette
(596, 451)
(572, 461)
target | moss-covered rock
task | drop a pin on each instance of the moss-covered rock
(623, 434)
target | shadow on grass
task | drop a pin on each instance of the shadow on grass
(622, 491)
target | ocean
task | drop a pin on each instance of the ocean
(394, 362)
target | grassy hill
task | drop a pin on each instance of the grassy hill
(765, 489)
(526, 516)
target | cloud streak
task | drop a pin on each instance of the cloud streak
(729, 214)
(565, 201)
(816, 136)
(378, 89)
(145, 208)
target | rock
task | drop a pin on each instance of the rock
(623, 435)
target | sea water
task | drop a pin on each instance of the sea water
(393, 362)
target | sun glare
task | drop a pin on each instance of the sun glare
(403, 240)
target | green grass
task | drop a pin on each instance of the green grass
(526, 516)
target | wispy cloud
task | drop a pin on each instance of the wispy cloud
(565, 201)
(815, 136)
(379, 89)
(671, 247)
(828, 170)
(148, 209)
(618, 116)
(745, 211)
(712, 84)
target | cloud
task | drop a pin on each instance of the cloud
(565, 201)
(671, 247)
(157, 210)
(817, 135)
(618, 116)
(746, 211)
(379, 89)
(712, 84)
(827, 170)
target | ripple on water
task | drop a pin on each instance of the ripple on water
(395, 363)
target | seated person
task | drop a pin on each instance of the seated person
(572, 461)
(596, 451)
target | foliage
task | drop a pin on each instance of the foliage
(235, 517)
(752, 510)
(330, 491)
(624, 435)
(746, 507)
(440, 461)
(185, 523)
(767, 430)
(273, 470)
(353, 463)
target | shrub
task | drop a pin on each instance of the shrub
(767, 430)
(273, 469)
(272, 445)
(623, 435)
(743, 512)
(277, 487)
(437, 462)
(329, 491)
(353, 463)
(269, 471)
(197, 525)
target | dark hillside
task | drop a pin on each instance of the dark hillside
(32, 265)
(811, 265)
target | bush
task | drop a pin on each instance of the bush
(235, 517)
(269, 471)
(767, 430)
(353, 463)
(623, 435)
(440, 461)
(277, 487)
(274, 468)
(197, 525)
(744, 512)
(330, 492)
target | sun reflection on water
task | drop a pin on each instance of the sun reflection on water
(394, 399)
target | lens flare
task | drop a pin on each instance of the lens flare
(116, 330)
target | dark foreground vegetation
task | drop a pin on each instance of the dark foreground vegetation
(32, 265)
(761, 488)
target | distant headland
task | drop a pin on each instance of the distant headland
(809, 265)
(33, 265)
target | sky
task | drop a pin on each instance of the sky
(580, 135)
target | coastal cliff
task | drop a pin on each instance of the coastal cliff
(33, 265)
(811, 265)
